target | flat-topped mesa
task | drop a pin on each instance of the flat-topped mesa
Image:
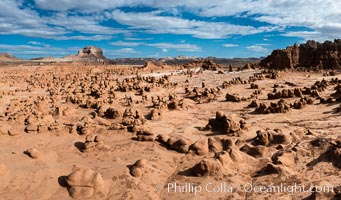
(326, 55)
(92, 54)
(88, 54)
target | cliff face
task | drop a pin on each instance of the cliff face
(325, 55)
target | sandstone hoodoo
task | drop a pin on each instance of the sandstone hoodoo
(93, 142)
(145, 135)
(86, 184)
(226, 124)
(153, 132)
(139, 168)
(178, 144)
(324, 55)
(153, 65)
(210, 65)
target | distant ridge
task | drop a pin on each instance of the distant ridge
(183, 60)
(92, 54)
(5, 57)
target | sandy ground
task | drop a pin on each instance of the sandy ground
(44, 177)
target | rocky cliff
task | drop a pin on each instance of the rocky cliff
(326, 55)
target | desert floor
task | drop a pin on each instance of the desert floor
(53, 109)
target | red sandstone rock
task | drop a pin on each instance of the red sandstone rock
(311, 54)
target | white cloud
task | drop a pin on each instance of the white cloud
(86, 6)
(230, 45)
(257, 49)
(29, 51)
(323, 17)
(8, 48)
(153, 22)
(165, 50)
(84, 24)
(127, 44)
(313, 35)
(35, 43)
(128, 50)
(177, 47)
(79, 17)
(263, 44)
(24, 21)
(124, 52)
(15, 19)
(99, 5)
(82, 37)
(138, 39)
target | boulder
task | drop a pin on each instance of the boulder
(154, 114)
(218, 164)
(226, 124)
(200, 147)
(269, 137)
(33, 153)
(210, 65)
(180, 145)
(207, 167)
(254, 104)
(112, 113)
(138, 168)
(334, 153)
(280, 107)
(93, 142)
(145, 135)
(233, 97)
(86, 184)
(254, 151)
(217, 144)
(286, 158)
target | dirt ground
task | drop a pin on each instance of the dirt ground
(53, 109)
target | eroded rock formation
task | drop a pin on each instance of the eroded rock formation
(88, 54)
(91, 52)
(86, 184)
(227, 124)
(324, 55)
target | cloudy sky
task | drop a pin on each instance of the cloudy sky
(158, 28)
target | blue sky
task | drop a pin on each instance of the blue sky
(159, 28)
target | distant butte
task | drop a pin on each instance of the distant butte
(88, 54)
